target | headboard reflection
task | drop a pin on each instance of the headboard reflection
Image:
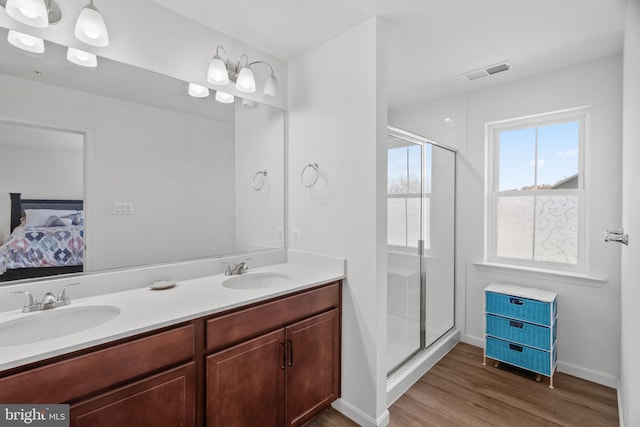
(18, 205)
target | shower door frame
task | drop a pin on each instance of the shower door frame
(422, 141)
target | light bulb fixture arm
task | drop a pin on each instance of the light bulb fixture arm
(262, 62)
(226, 55)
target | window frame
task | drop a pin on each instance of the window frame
(492, 192)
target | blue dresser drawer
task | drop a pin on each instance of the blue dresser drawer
(519, 308)
(520, 355)
(520, 332)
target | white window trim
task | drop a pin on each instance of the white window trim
(582, 114)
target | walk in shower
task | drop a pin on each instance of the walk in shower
(421, 245)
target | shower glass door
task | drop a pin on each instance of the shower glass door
(420, 242)
(404, 241)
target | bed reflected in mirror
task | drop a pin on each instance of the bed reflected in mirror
(41, 202)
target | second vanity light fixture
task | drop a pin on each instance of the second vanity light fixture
(222, 71)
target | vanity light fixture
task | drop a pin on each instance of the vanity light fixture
(221, 72)
(90, 27)
(82, 58)
(198, 91)
(26, 41)
(224, 97)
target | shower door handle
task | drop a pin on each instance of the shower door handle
(420, 247)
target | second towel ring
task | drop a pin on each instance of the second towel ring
(316, 173)
(261, 182)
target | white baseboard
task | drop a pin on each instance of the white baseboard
(620, 412)
(588, 374)
(564, 367)
(470, 339)
(358, 416)
(409, 375)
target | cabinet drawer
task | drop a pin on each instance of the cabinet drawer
(234, 327)
(520, 332)
(165, 399)
(520, 355)
(519, 308)
(75, 377)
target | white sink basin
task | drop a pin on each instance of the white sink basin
(54, 323)
(256, 280)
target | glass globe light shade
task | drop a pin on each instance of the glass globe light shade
(82, 58)
(224, 97)
(246, 81)
(30, 12)
(90, 27)
(25, 41)
(217, 74)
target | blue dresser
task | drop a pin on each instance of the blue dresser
(521, 328)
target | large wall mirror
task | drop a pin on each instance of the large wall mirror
(161, 176)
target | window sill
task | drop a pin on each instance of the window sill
(573, 277)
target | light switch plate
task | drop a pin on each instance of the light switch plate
(123, 208)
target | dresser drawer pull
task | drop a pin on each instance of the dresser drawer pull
(517, 348)
(516, 301)
(515, 324)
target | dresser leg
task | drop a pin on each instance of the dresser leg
(538, 377)
(551, 382)
(484, 360)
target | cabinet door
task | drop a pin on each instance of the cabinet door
(313, 366)
(245, 383)
(165, 399)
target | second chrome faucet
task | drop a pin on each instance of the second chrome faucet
(241, 267)
(48, 301)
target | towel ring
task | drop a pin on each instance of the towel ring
(313, 166)
(261, 182)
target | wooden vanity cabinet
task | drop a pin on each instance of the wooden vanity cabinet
(273, 363)
(284, 377)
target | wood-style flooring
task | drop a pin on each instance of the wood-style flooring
(460, 391)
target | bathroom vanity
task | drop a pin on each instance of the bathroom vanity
(268, 357)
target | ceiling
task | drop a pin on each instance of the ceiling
(430, 43)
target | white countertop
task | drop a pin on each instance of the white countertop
(144, 309)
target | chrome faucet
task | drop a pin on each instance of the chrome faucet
(48, 301)
(241, 267)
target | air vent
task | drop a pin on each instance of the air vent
(487, 71)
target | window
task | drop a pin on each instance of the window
(536, 190)
(404, 187)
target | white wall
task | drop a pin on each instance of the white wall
(149, 36)
(259, 136)
(21, 171)
(588, 342)
(630, 352)
(337, 117)
(174, 168)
